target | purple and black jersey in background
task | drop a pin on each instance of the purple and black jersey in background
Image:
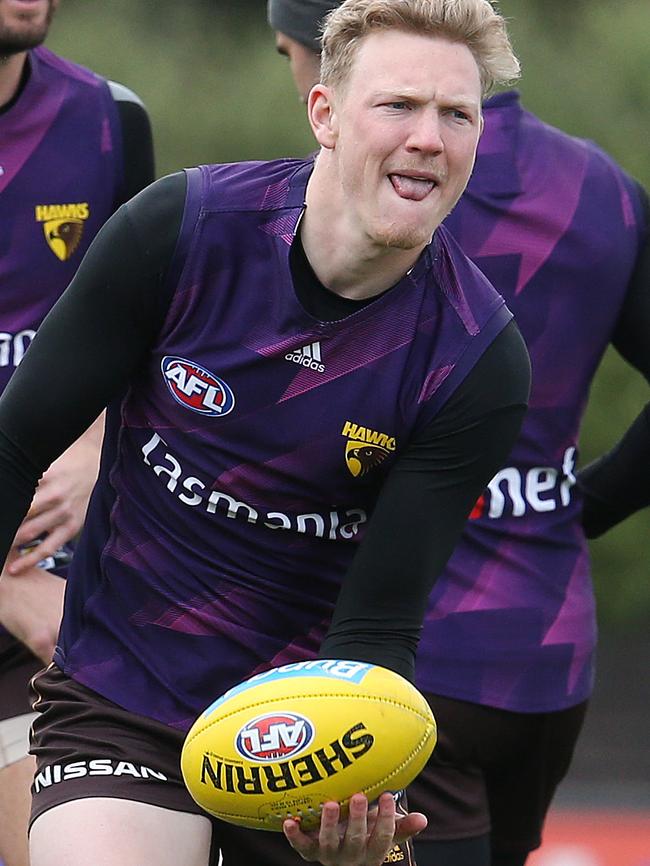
(252, 444)
(61, 177)
(511, 621)
(73, 147)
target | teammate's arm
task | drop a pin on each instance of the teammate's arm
(98, 331)
(618, 483)
(423, 507)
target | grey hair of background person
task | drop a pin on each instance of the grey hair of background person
(300, 19)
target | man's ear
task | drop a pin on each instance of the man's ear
(322, 115)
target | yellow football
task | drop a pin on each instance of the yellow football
(285, 741)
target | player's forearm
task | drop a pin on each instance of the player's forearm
(618, 483)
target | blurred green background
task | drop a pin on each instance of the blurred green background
(217, 91)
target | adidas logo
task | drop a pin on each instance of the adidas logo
(309, 356)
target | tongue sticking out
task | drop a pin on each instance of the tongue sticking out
(411, 187)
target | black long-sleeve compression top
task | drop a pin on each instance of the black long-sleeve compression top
(113, 310)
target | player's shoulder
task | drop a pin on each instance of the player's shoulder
(561, 142)
(460, 285)
(124, 95)
(254, 185)
(455, 265)
(66, 69)
(540, 147)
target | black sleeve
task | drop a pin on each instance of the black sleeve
(98, 331)
(137, 142)
(618, 483)
(423, 507)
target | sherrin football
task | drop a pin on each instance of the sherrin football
(287, 740)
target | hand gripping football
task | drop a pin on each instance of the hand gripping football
(285, 741)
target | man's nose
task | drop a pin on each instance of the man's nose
(426, 133)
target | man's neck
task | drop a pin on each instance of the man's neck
(11, 71)
(343, 258)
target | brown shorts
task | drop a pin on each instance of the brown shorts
(86, 746)
(493, 771)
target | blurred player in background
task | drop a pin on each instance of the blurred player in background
(296, 350)
(506, 656)
(73, 148)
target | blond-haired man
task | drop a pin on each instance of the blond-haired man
(289, 342)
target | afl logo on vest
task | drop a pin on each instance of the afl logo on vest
(274, 736)
(196, 388)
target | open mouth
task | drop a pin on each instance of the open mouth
(412, 187)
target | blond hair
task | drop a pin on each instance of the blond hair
(474, 23)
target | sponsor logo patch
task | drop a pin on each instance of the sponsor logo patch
(288, 775)
(274, 736)
(365, 448)
(515, 492)
(197, 388)
(308, 356)
(56, 773)
(63, 226)
(193, 492)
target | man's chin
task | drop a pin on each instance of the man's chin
(18, 37)
(408, 226)
(16, 42)
(400, 237)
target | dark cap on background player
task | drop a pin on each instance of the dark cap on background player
(298, 27)
(300, 19)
